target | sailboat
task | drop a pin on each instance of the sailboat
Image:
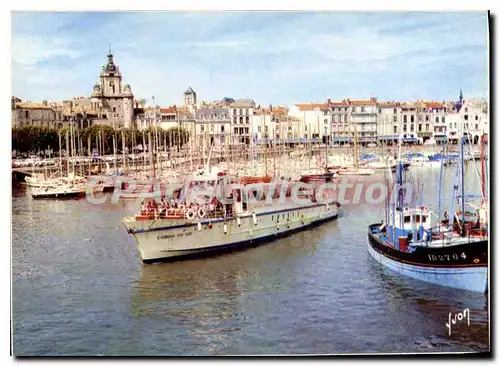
(71, 186)
(356, 170)
(416, 243)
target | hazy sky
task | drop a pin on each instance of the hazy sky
(274, 58)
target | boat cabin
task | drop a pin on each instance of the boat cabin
(413, 217)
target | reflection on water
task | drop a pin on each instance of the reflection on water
(432, 304)
(210, 296)
(79, 288)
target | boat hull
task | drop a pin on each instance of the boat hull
(156, 242)
(69, 195)
(461, 266)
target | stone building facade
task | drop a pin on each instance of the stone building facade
(112, 98)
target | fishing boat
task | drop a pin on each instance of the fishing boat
(414, 242)
(220, 216)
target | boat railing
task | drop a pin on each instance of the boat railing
(181, 212)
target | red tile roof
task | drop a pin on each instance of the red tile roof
(311, 106)
(338, 104)
(434, 105)
(389, 104)
(362, 102)
(171, 109)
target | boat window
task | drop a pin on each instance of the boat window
(407, 219)
(417, 218)
(424, 218)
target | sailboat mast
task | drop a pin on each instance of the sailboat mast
(90, 154)
(114, 149)
(151, 157)
(483, 167)
(123, 151)
(440, 181)
(462, 177)
(60, 154)
(355, 146)
(67, 151)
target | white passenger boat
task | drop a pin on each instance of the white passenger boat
(224, 216)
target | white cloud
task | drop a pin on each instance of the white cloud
(29, 50)
(305, 56)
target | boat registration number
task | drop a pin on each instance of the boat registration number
(173, 236)
(446, 257)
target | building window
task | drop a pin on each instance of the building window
(241, 120)
(395, 111)
(412, 128)
(477, 118)
(395, 129)
(477, 127)
(420, 128)
(466, 117)
(405, 118)
(466, 109)
(412, 118)
(248, 120)
(362, 109)
(258, 129)
(443, 120)
(211, 128)
(395, 118)
(325, 121)
(202, 128)
(222, 128)
(404, 128)
(427, 127)
(354, 109)
(236, 130)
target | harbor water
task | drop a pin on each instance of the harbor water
(79, 288)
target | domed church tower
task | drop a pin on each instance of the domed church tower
(114, 99)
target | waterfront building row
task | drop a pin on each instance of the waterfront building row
(242, 121)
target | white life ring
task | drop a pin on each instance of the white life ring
(201, 212)
(190, 214)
